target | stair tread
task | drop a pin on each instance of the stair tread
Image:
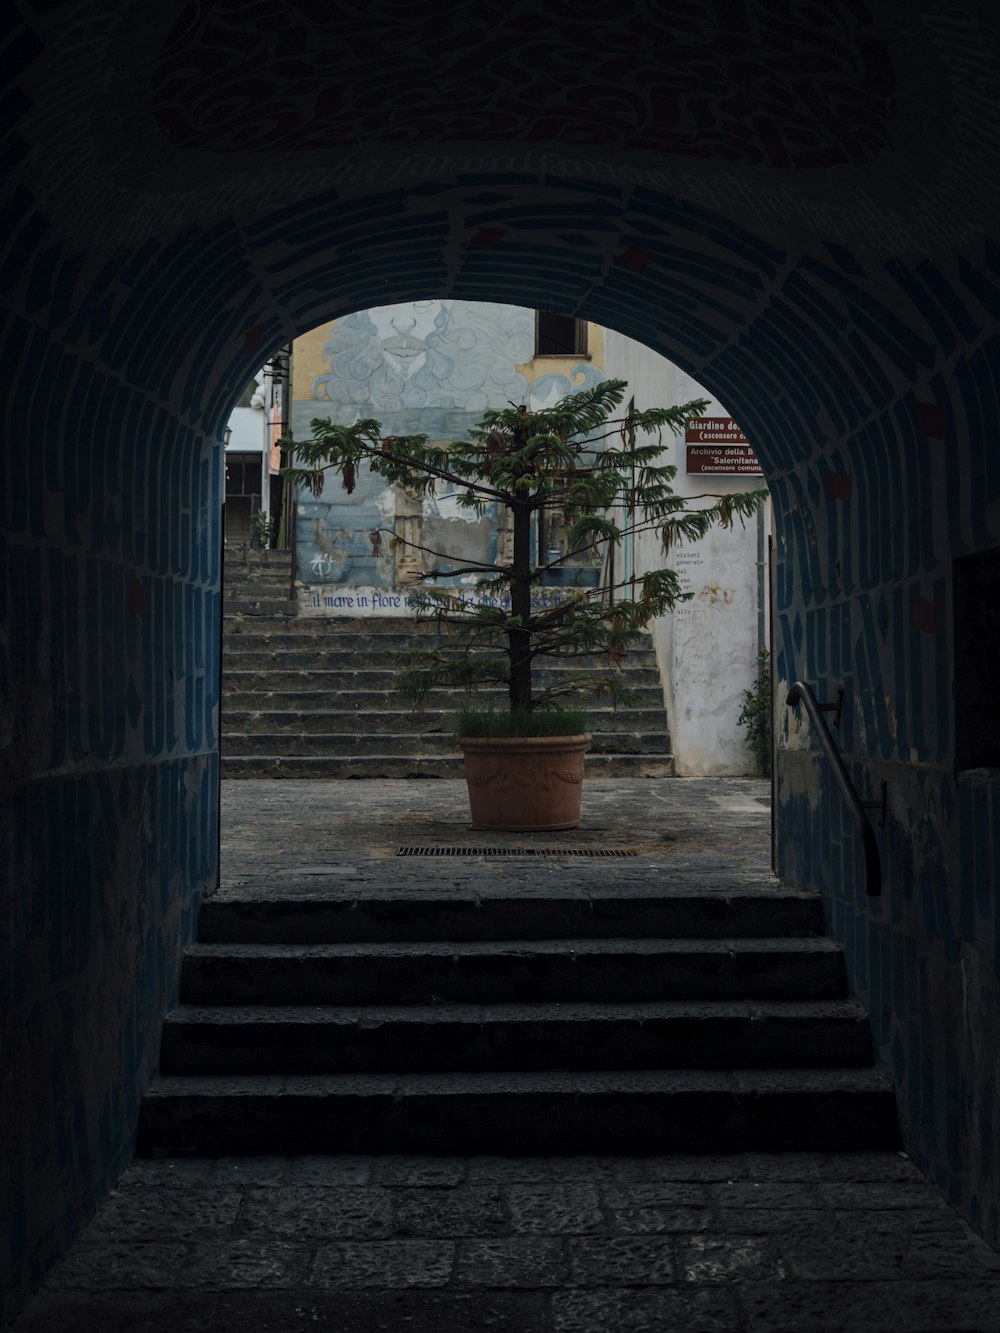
(403, 759)
(442, 736)
(385, 626)
(523, 948)
(426, 717)
(595, 759)
(320, 891)
(241, 672)
(383, 736)
(324, 687)
(572, 1011)
(339, 713)
(314, 885)
(636, 1082)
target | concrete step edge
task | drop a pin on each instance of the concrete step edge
(820, 1012)
(427, 717)
(605, 946)
(595, 759)
(520, 1113)
(416, 744)
(754, 1083)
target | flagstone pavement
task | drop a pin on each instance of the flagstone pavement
(753, 1243)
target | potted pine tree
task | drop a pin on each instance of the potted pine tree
(577, 467)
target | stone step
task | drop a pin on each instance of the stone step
(265, 572)
(240, 603)
(388, 626)
(250, 690)
(267, 593)
(344, 652)
(236, 575)
(524, 1113)
(246, 556)
(358, 671)
(343, 744)
(270, 579)
(250, 571)
(267, 589)
(608, 971)
(322, 718)
(476, 1038)
(280, 765)
(331, 911)
(270, 603)
(406, 633)
(367, 732)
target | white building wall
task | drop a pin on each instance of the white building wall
(707, 649)
(250, 430)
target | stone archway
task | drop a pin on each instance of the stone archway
(797, 208)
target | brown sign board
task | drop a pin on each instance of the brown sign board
(716, 445)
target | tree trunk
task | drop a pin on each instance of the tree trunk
(519, 640)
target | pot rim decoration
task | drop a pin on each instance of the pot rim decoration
(524, 784)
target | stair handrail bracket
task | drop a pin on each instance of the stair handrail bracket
(801, 693)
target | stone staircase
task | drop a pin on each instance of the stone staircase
(257, 584)
(561, 1008)
(314, 696)
(425, 1018)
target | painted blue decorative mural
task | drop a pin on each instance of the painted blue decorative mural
(424, 368)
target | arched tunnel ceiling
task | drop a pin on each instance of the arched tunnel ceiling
(786, 198)
(797, 98)
(802, 87)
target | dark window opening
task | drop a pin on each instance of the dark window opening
(559, 335)
(976, 600)
(243, 473)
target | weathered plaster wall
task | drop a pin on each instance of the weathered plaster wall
(707, 649)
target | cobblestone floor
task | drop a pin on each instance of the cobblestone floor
(784, 1243)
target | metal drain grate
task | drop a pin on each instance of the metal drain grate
(511, 851)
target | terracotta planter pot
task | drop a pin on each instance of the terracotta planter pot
(524, 784)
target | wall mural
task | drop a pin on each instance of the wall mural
(447, 354)
(458, 355)
(426, 367)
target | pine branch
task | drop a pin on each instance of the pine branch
(576, 457)
(395, 541)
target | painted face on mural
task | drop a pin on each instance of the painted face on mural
(402, 333)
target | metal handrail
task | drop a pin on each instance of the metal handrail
(800, 692)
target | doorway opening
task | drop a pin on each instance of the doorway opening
(433, 367)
